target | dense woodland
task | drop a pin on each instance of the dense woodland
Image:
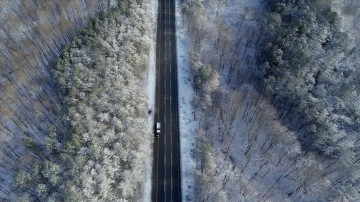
(32, 33)
(310, 69)
(281, 122)
(100, 155)
(277, 99)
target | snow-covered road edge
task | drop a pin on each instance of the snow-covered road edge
(186, 117)
(151, 100)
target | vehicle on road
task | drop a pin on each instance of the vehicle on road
(158, 130)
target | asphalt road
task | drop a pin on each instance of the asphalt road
(166, 170)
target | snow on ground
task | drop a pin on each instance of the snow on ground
(188, 124)
(186, 111)
(152, 73)
(269, 163)
(267, 158)
(151, 100)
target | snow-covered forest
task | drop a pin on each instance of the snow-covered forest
(276, 98)
(276, 102)
(98, 148)
(310, 69)
(31, 35)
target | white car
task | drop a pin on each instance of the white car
(158, 129)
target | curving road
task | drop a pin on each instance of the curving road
(166, 170)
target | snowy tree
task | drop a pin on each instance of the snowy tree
(101, 156)
(305, 65)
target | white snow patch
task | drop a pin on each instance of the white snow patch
(151, 101)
